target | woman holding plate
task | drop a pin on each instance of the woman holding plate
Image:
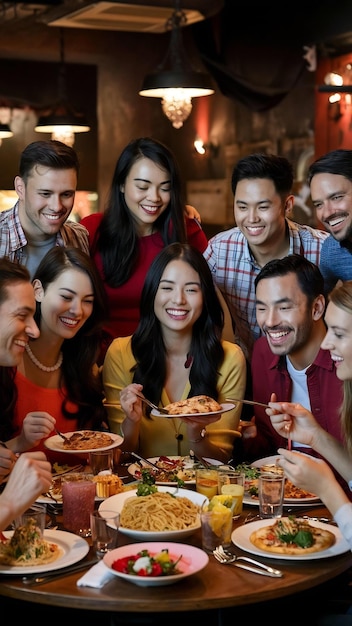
(56, 384)
(175, 353)
(293, 420)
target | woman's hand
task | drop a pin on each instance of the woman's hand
(248, 428)
(312, 474)
(192, 213)
(7, 461)
(131, 403)
(31, 476)
(36, 426)
(293, 419)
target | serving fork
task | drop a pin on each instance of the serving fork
(228, 558)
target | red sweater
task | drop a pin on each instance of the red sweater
(124, 300)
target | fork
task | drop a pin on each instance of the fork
(148, 402)
(227, 558)
(152, 405)
(61, 435)
(266, 406)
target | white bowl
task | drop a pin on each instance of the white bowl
(193, 560)
(115, 503)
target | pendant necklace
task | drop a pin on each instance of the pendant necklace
(40, 365)
(178, 435)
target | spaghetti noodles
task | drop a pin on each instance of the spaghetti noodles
(159, 511)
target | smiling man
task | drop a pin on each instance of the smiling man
(288, 359)
(330, 180)
(46, 187)
(263, 198)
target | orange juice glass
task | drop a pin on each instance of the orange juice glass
(207, 482)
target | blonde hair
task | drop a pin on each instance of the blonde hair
(341, 296)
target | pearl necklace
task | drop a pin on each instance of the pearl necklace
(40, 365)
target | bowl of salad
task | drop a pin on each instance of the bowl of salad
(155, 563)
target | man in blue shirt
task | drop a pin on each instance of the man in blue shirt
(330, 180)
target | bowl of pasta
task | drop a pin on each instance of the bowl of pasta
(168, 514)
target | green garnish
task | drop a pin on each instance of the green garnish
(144, 489)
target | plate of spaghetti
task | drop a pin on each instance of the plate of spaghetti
(166, 514)
(70, 549)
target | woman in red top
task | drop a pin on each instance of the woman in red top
(145, 213)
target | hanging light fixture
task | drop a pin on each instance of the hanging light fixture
(5, 115)
(175, 81)
(62, 122)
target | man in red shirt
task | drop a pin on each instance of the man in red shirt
(288, 360)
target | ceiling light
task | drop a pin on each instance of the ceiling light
(62, 121)
(5, 131)
(175, 81)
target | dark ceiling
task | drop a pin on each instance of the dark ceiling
(326, 24)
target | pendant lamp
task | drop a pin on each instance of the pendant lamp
(62, 121)
(175, 81)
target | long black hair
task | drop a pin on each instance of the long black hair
(78, 382)
(206, 353)
(80, 352)
(117, 236)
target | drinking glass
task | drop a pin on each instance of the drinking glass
(271, 495)
(101, 461)
(231, 483)
(104, 526)
(216, 527)
(78, 497)
(207, 481)
(37, 512)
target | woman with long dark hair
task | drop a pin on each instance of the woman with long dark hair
(58, 374)
(176, 352)
(145, 212)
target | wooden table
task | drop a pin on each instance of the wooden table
(216, 586)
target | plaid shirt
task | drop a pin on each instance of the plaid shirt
(13, 239)
(234, 270)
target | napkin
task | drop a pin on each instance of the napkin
(97, 576)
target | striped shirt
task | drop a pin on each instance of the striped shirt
(13, 240)
(234, 270)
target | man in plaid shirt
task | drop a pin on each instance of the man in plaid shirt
(46, 187)
(263, 199)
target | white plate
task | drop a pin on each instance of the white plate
(193, 560)
(56, 443)
(268, 460)
(188, 465)
(292, 503)
(58, 498)
(115, 503)
(240, 537)
(225, 406)
(271, 460)
(74, 549)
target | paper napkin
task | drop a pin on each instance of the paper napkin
(97, 576)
